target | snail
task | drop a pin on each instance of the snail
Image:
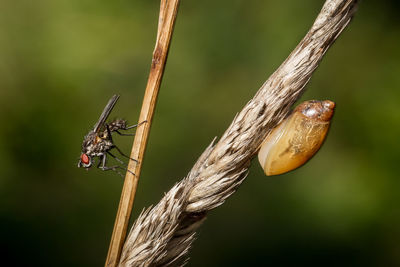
(296, 140)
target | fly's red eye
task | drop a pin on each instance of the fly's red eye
(85, 158)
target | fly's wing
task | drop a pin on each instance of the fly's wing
(106, 112)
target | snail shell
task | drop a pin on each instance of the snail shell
(293, 142)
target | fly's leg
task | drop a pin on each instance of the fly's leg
(102, 165)
(113, 168)
(135, 125)
(123, 134)
(103, 160)
(129, 127)
(117, 159)
(100, 161)
(109, 136)
(122, 153)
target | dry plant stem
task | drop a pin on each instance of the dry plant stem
(163, 234)
(168, 12)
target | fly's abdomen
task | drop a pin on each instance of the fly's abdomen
(117, 124)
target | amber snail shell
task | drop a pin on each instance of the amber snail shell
(296, 140)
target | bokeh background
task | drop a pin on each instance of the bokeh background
(60, 61)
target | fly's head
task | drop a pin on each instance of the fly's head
(85, 161)
(88, 150)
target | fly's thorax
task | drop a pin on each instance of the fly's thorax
(89, 139)
(96, 145)
(99, 147)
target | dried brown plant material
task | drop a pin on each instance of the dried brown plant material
(162, 235)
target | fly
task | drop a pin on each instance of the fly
(98, 142)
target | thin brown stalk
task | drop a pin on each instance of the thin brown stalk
(168, 13)
(163, 234)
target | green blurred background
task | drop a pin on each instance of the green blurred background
(60, 61)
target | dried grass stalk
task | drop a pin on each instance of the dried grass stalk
(166, 22)
(163, 234)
